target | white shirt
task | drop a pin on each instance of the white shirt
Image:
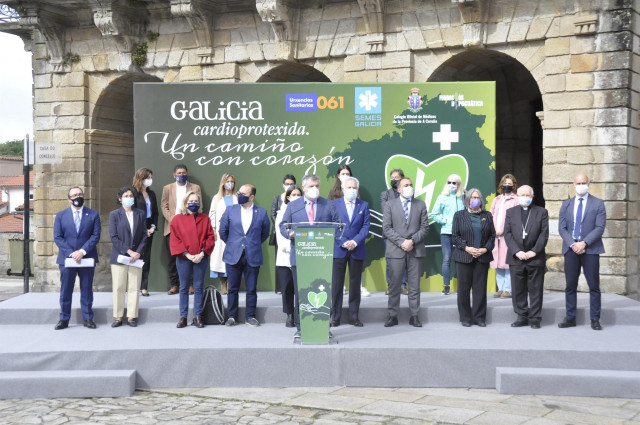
(181, 191)
(246, 215)
(575, 207)
(130, 219)
(408, 205)
(350, 206)
(73, 211)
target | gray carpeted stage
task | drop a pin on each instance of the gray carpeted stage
(101, 362)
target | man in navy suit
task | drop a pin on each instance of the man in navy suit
(309, 208)
(76, 232)
(581, 225)
(349, 249)
(243, 227)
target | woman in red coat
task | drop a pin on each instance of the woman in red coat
(192, 241)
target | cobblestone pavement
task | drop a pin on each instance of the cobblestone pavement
(323, 406)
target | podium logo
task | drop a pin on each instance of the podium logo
(368, 100)
(317, 300)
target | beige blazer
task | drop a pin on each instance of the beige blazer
(168, 202)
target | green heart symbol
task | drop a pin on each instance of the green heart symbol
(429, 180)
(317, 300)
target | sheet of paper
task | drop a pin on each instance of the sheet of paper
(123, 259)
(85, 262)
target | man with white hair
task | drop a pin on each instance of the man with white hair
(526, 232)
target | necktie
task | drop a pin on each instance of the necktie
(577, 227)
(405, 206)
(76, 221)
(350, 210)
(310, 213)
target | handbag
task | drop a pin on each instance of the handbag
(213, 310)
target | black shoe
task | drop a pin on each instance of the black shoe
(520, 323)
(466, 324)
(182, 323)
(414, 321)
(197, 322)
(90, 324)
(144, 294)
(481, 323)
(391, 321)
(173, 290)
(62, 324)
(334, 323)
(290, 322)
(446, 290)
(567, 323)
(132, 322)
(116, 323)
(595, 325)
(535, 324)
(356, 323)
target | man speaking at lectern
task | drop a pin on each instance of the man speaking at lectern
(310, 208)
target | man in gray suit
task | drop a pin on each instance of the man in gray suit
(405, 225)
(387, 195)
(581, 225)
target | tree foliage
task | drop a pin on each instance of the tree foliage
(12, 148)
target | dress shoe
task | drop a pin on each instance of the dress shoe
(595, 325)
(334, 323)
(356, 323)
(466, 324)
(497, 294)
(144, 293)
(567, 323)
(197, 322)
(290, 322)
(414, 321)
(535, 324)
(116, 323)
(182, 323)
(391, 321)
(191, 290)
(405, 291)
(481, 323)
(446, 290)
(62, 324)
(132, 322)
(505, 294)
(90, 324)
(174, 290)
(520, 323)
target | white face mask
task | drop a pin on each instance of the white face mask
(407, 192)
(286, 187)
(581, 189)
(147, 182)
(453, 187)
(229, 185)
(293, 197)
(344, 177)
(524, 201)
(350, 194)
(313, 193)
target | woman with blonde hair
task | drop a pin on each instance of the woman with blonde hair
(506, 199)
(226, 196)
(450, 201)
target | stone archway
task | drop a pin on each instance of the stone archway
(292, 72)
(518, 98)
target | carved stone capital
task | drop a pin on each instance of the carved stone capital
(373, 15)
(474, 14)
(119, 19)
(282, 19)
(52, 27)
(199, 14)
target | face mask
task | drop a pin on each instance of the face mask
(507, 189)
(313, 193)
(293, 198)
(229, 185)
(394, 184)
(581, 189)
(524, 201)
(193, 206)
(127, 202)
(78, 202)
(453, 187)
(475, 203)
(286, 187)
(243, 199)
(147, 182)
(343, 177)
(182, 178)
(407, 192)
(350, 194)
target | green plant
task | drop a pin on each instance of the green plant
(139, 54)
(152, 36)
(70, 58)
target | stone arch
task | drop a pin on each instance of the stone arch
(293, 72)
(518, 98)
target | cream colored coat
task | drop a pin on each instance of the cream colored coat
(218, 207)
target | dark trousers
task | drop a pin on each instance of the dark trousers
(296, 300)
(399, 267)
(590, 264)
(146, 257)
(191, 274)
(234, 276)
(284, 282)
(472, 275)
(172, 270)
(67, 282)
(527, 285)
(337, 286)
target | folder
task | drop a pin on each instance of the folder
(123, 259)
(85, 262)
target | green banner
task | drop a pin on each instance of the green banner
(314, 261)
(260, 132)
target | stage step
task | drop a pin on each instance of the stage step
(67, 383)
(568, 382)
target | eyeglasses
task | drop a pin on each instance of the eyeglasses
(452, 182)
(76, 195)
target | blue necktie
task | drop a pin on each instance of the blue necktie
(405, 206)
(77, 221)
(577, 227)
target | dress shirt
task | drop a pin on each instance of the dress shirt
(575, 208)
(181, 191)
(73, 211)
(246, 215)
(350, 205)
(307, 204)
(402, 199)
(130, 219)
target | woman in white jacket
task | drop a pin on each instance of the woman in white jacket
(226, 196)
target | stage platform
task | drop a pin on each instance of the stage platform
(575, 361)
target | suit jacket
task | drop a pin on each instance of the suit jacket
(168, 202)
(232, 233)
(122, 239)
(387, 195)
(142, 205)
(462, 235)
(68, 240)
(296, 213)
(276, 204)
(593, 221)
(396, 229)
(537, 235)
(355, 230)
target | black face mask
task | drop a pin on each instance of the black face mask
(78, 202)
(394, 184)
(507, 189)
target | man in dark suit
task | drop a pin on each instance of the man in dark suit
(385, 196)
(309, 208)
(405, 225)
(243, 228)
(526, 232)
(76, 232)
(581, 225)
(349, 249)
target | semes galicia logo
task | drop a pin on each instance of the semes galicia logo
(368, 112)
(302, 102)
